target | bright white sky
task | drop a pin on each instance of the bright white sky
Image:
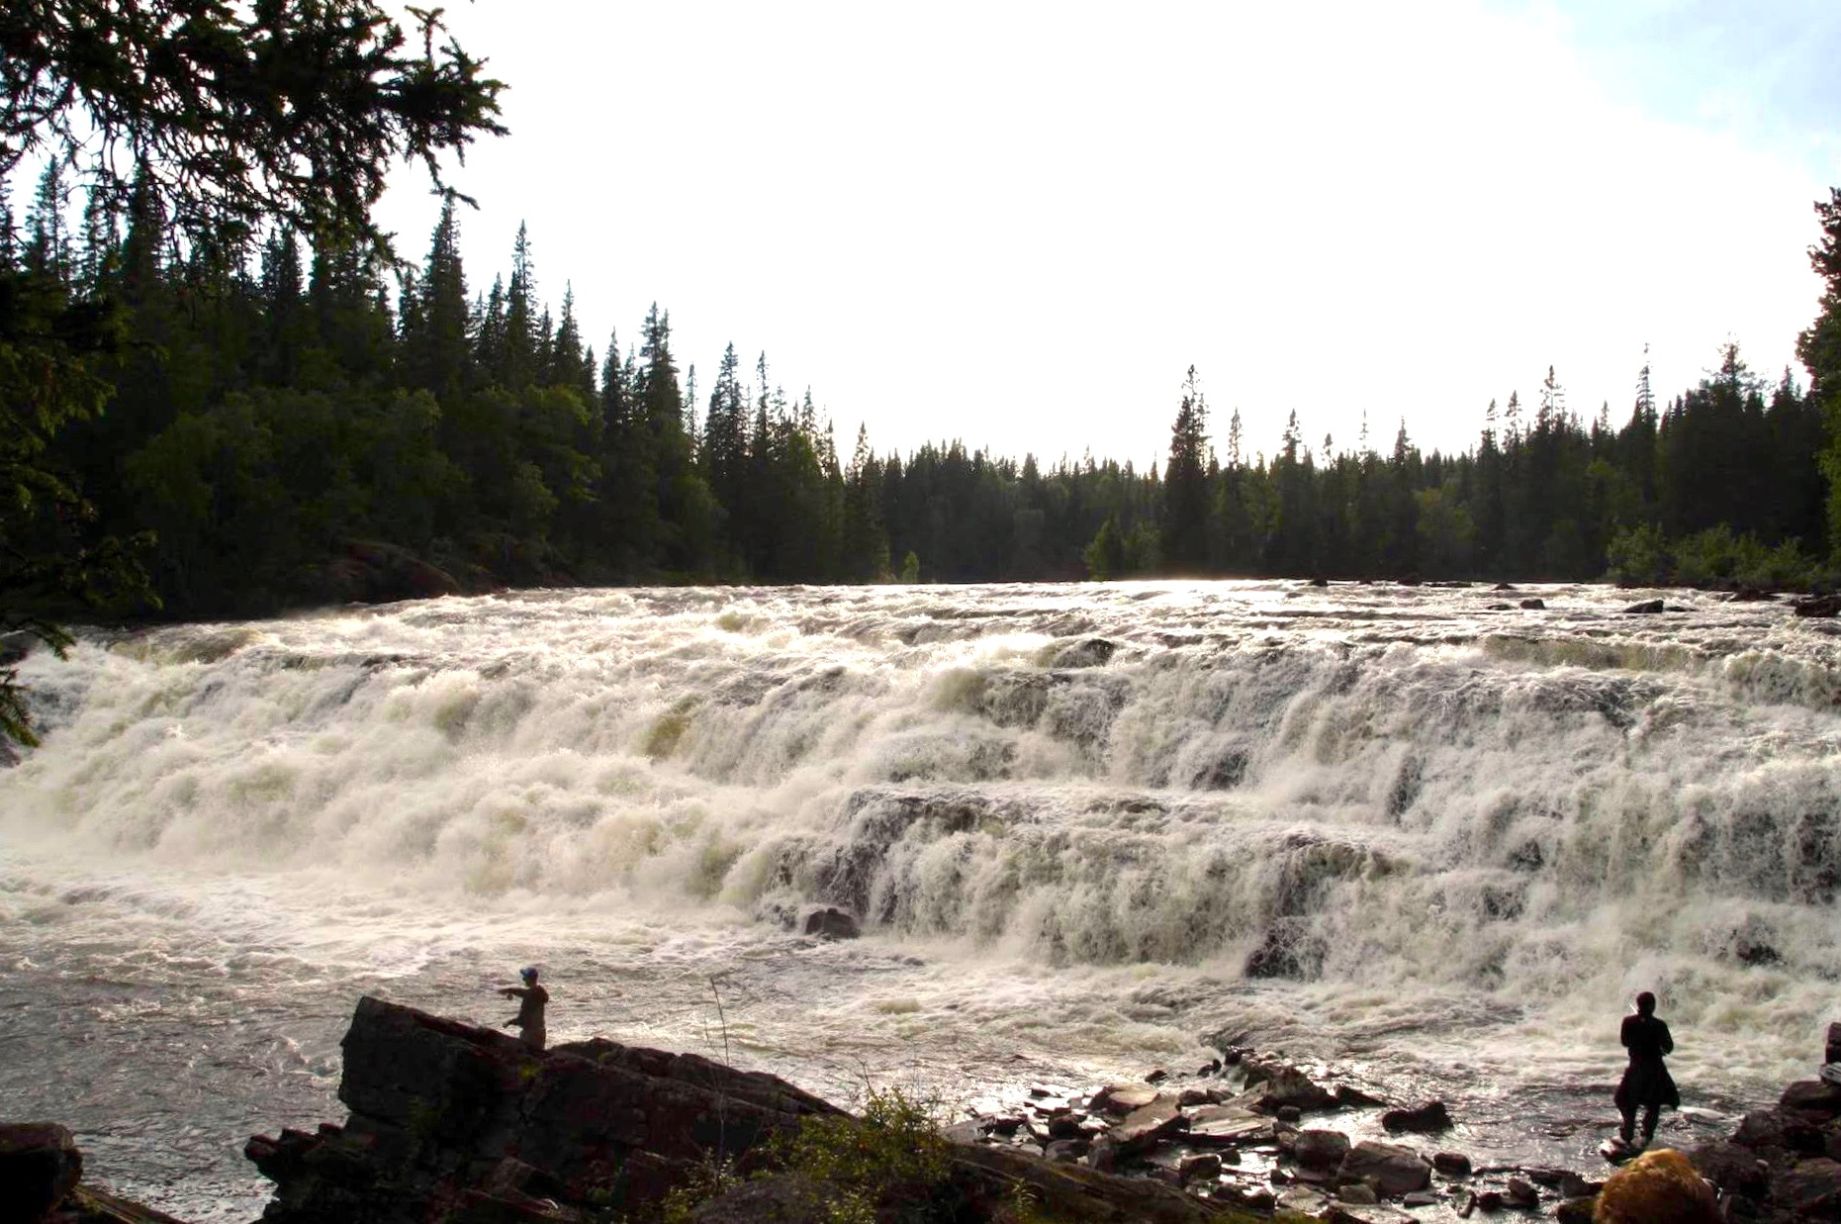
(1018, 224)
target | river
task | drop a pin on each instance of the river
(1433, 844)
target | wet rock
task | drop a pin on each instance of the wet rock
(1351, 1096)
(831, 923)
(1817, 605)
(1658, 1187)
(1774, 1129)
(1576, 1210)
(1522, 1194)
(1425, 1118)
(39, 1167)
(1122, 1099)
(1572, 1186)
(1094, 652)
(1420, 1198)
(1734, 1169)
(1144, 1128)
(1320, 1149)
(1833, 1049)
(1359, 1193)
(1103, 1156)
(1065, 1126)
(1157, 1077)
(1452, 1164)
(1217, 1126)
(1066, 1151)
(1503, 586)
(1288, 1113)
(1812, 1189)
(1320, 582)
(1747, 594)
(1486, 1201)
(1534, 605)
(1647, 607)
(1392, 1169)
(1282, 1084)
(1199, 1166)
(1190, 1097)
(1499, 607)
(1815, 1097)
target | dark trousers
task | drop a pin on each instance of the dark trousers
(1650, 1113)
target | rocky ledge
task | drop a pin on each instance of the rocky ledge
(463, 1125)
(41, 1182)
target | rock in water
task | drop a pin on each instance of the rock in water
(1647, 607)
(1658, 1187)
(1393, 1169)
(1320, 1149)
(1423, 1118)
(1818, 605)
(831, 923)
(39, 1167)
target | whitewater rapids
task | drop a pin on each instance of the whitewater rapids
(1433, 845)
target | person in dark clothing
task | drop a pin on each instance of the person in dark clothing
(530, 1012)
(1646, 1083)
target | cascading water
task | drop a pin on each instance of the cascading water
(1083, 825)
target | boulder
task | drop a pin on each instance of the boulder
(1647, 607)
(1394, 1170)
(1093, 652)
(1735, 1170)
(1423, 1118)
(1534, 605)
(1066, 1126)
(1812, 1189)
(1658, 1187)
(1813, 1097)
(1521, 1193)
(1452, 1164)
(1283, 1084)
(1121, 1099)
(1200, 1166)
(1066, 1151)
(1576, 1210)
(370, 571)
(1144, 1128)
(1320, 1149)
(831, 923)
(1359, 1193)
(1499, 607)
(1833, 1047)
(39, 1167)
(1503, 586)
(1817, 605)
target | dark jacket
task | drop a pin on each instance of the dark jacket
(1646, 1080)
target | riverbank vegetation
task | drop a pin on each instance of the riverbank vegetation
(274, 401)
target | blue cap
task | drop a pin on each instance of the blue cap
(528, 973)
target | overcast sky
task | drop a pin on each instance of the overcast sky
(1018, 224)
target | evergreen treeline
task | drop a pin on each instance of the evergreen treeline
(278, 407)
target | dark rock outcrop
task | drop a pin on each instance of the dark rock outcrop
(41, 1174)
(39, 1167)
(1423, 1118)
(1534, 605)
(1817, 605)
(453, 1124)
(831, 923)
(1647, 607)
(374, 572)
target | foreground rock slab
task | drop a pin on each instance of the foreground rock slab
(454, 1124)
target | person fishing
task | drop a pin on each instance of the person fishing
(1646, 1083)
(530, 1012)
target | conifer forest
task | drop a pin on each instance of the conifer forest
(274, 403)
